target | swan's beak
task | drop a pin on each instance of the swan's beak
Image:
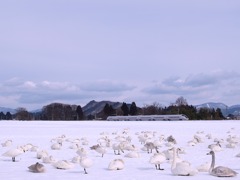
(208, 153)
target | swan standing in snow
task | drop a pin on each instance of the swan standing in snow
(118, 147)
(220, 171)
(101, 150)
(14, 152)
(37, 168)
(85, 163)
(182, 168)
(150, 146)
(76, 159)
(116, 164)
(81, 152)
(157, 159)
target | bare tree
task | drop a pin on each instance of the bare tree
(155, 108)
(22, 114)
(181, 101)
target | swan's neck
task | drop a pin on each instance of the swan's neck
(174, 159)
(213, 162)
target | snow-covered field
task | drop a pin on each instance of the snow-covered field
(44, 133)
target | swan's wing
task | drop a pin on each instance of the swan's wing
(222, 171)
(182, 168)
(185, 169)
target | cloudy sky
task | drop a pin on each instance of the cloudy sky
(75, 51)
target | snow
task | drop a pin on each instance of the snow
(40, 133)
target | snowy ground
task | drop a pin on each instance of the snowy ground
(40, 133)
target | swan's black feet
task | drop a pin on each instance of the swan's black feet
(158, 167)
(85, 172)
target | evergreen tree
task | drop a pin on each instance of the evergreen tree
(125, 109)
(2, 116)
(133, 109)
(8, 116)
(106, 109)
(79, 112)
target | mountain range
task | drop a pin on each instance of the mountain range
(94, 107)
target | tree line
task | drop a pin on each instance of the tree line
(59, 111)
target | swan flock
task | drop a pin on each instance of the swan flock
(122, 147)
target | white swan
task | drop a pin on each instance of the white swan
(132, 154)
(118, 147)
(13, 153)
(130, 147)
(82, 152)
(28, 146)
(204, 167)
(76, 159)
(157, 159)
(215, 147)
(56, 146)
(7, 143)
(63, 164)
(182, 168)
(99, 149)
(85, 163)
(220, 171)
(85, 141)
(48, 159)
(74, 146)
(116, 164)
(37, 168)
(34, 149)
(231, 145)
(41, 154)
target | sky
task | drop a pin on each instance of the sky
(75, 51)
(44, 134)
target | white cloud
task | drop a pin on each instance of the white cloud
(106, 86)
(220, 86)
(29, 84)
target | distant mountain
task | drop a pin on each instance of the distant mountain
(5, 110)
(36, 111)
(94, 107)
(235, 109)
(212, 105)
